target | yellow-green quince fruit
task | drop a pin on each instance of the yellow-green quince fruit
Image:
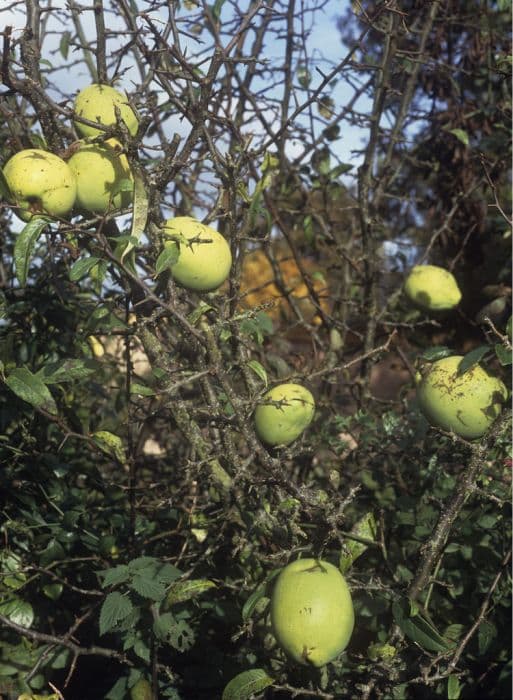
(432, 288)
(465, 404)
(141, 690)
(204, 259)
(98, 103)
(40, 183)
(286, 411)
(102, 173)
(312, 613)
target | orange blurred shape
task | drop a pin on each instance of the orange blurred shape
(259, 287)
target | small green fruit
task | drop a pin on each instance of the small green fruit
(312, 612)
(40, 183)
(204, 261)
(99, 170)
(432, 288)
(141, 690)
(287, 411)
(384, 652)
(97, 103)
(466, 404)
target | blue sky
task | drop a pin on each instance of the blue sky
(324, 46)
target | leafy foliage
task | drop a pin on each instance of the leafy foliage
(143, 521)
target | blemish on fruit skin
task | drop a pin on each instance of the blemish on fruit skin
(306, 653)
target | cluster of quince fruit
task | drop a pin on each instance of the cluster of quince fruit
(96, 178)
(466, 402)
(311, 607)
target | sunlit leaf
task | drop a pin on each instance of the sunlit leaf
(364, 529)
(460, 135)
(304, 76)
(181, 591)
(259, 370)
(18, 611)
(453, 688)
(247, 684)
(25, 243)
(81, 267)
(167, 258)
(31, 388)
(326, 107)
(111, 444)
(139, 213)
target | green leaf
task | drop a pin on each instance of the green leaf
(176, 633)
(341, 169)
(365, 529)
(53, 590)
(460, 135)
(216, 9)
(11, 572)
(326, 107)
(270, 164)
(259, 370)
(418, 629)
(308, 228)
(124, 185)
(148, 587)
(141, 390)
(181, 591)
(486, 633)
(436, 352)
(453, 688)
(18, 611)
(258, 594)
(167, 258)
(253, 600)
(472, 358)
(115, 576)
(304, 76)
(168, 573)
(81, 267)
(199, 311)
(118, 690)
(503, 354)
(67, 371)
(32, 389)
(332, 132)
(246, 684)
(320, 161)
(64, 44)
(146, 564)
(25, 244)
(115, 608)
(139, 212)
(53, 551)
(111, 444)
(454, 632)
(142, 650)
